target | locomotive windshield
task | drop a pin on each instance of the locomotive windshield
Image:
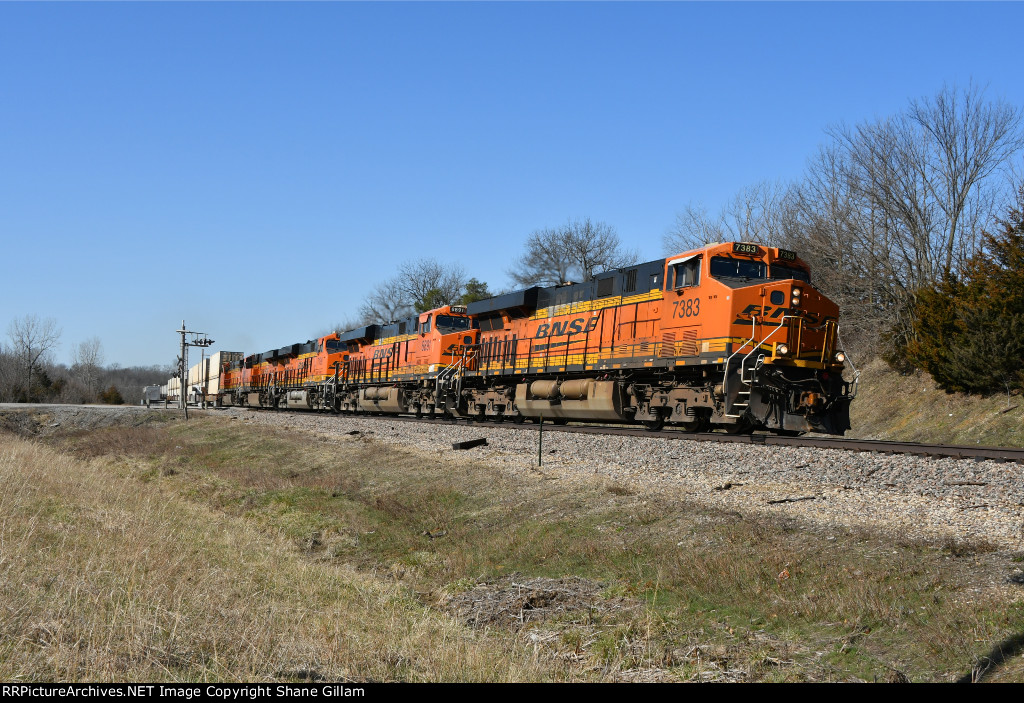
(784, 273)
(737, 269)
(451, 323)
(334, 346)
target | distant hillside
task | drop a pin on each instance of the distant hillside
(911, 408)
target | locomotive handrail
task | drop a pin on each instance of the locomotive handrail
(856, 373)
(743, 361)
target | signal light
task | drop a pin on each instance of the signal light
(782, 349)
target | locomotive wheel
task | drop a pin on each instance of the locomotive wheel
(655, 425)
(419, 412)
(696, 426)
(788, 433)
(560, 421)
(741, 427)
(518, 419)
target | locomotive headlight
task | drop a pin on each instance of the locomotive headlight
(840, 357)
(797, 294)
(782, 349)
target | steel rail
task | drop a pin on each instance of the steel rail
(953, 451)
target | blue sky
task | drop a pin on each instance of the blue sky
(283, 158)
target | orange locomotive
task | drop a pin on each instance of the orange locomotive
(732, 336)
(393, 368)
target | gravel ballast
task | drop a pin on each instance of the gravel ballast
(906, 496)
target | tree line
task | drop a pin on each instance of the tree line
(29, 374)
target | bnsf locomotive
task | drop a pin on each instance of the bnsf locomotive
(731, 336)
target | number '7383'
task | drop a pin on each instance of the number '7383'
(686, 308)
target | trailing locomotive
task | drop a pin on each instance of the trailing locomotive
(731, 336)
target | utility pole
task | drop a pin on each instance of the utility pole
(199, 339)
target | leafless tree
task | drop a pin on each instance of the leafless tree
(386, 302)
(693, 228)
(8, 374)
(87, 363)
(581, 248)
(418, 282)
(755, 214)
(31, 340)
(966, 139)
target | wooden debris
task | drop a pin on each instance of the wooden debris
(469, 443)
(727, 486)
(791, 500)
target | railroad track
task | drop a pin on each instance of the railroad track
(954, 451)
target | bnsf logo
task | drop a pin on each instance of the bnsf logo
(383, 353)
(556, 329)
(767, 313)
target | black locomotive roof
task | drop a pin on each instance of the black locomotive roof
(525, 299)
(367, 333)
(630, 280)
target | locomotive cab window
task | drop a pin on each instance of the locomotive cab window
(448, 323)
(425, 326)
(778, 272)
(737, 269)
(685, 273)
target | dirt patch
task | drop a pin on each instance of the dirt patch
(56, 420)
(514, 601)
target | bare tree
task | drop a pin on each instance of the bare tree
(580, 248)
(420, 284)
(967, 139)
(87, 363)
(544, 262)
(8, 374)
(31, 340)
(755, 214)
(386, 302)
(693, 228)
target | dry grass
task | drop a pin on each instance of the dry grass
(216, 550)
(910, 408)
(105, 578)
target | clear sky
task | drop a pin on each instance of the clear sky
(256, 168)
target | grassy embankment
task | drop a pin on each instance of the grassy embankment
(911, 408)
(227, 552)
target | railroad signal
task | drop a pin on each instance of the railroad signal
(198, 339)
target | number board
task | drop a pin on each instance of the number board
(744, 248)
(787, 255)
(458, 309)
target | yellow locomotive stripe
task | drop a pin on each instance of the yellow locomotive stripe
(599, 304)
